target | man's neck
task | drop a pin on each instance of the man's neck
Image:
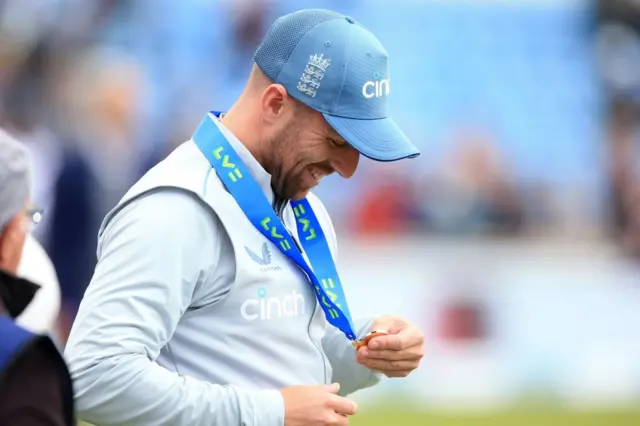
(235, 122)
(239, 124)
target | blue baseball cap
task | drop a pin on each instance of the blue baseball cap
(336, 66)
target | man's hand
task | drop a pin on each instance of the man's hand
(397, 353)
(316, 406)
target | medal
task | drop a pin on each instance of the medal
(363, 342)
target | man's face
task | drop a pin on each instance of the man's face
(12, 239)
(305, 151)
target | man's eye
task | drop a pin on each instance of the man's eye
(336, 143)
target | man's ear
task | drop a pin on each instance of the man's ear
(274, 103)
(11, 244)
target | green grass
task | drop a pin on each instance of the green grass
(398, 417)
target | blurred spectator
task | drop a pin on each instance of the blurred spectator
(250, 23)
(383, 206)
(461, 311)
(24, 115)
(618, 48)
(462, 321)
(98, 93)
(472, 191)
(624, 181)
(35, 387)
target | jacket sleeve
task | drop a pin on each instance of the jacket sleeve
(152, 258)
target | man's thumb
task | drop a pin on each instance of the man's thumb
(396, 329)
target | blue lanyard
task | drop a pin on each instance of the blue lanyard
(255, 205)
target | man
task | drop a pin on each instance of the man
(201, 311)
(35, 387)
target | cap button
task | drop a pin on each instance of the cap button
(350, 20)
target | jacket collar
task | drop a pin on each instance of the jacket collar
(15, 293)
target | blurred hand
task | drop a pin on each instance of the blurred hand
(316, 406)
(397, 353)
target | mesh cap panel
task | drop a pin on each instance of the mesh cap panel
(283, 36)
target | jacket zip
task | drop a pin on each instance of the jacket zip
(279, 206)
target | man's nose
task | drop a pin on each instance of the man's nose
(346, 162)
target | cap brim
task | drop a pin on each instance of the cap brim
(379, 139)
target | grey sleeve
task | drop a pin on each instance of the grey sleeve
(151, 258)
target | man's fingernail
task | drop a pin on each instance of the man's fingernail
(375, 345)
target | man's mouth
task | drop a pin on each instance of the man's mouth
(317, 174)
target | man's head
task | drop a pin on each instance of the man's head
(298, 146)
(15, 190)
(319, 91)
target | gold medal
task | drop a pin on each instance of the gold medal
(363, 342)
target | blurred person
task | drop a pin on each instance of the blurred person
(383, 206)
(35, 386)
(623, 177)
(462, 321)
(622, 143)
(249, 19)
(617, 45)
(24, 115)
(473, 193)
(98, 163)
(630, 238)
(23, 25)
(192, 317)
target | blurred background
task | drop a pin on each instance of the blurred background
(514, 240)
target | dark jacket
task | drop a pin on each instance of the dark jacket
(35, 385)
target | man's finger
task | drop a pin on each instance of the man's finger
(385, 366)
(341, 420)
(405, 339)
(389, 341)
(411, 354)
(399, 373)
(343, 405)
(396, 329)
